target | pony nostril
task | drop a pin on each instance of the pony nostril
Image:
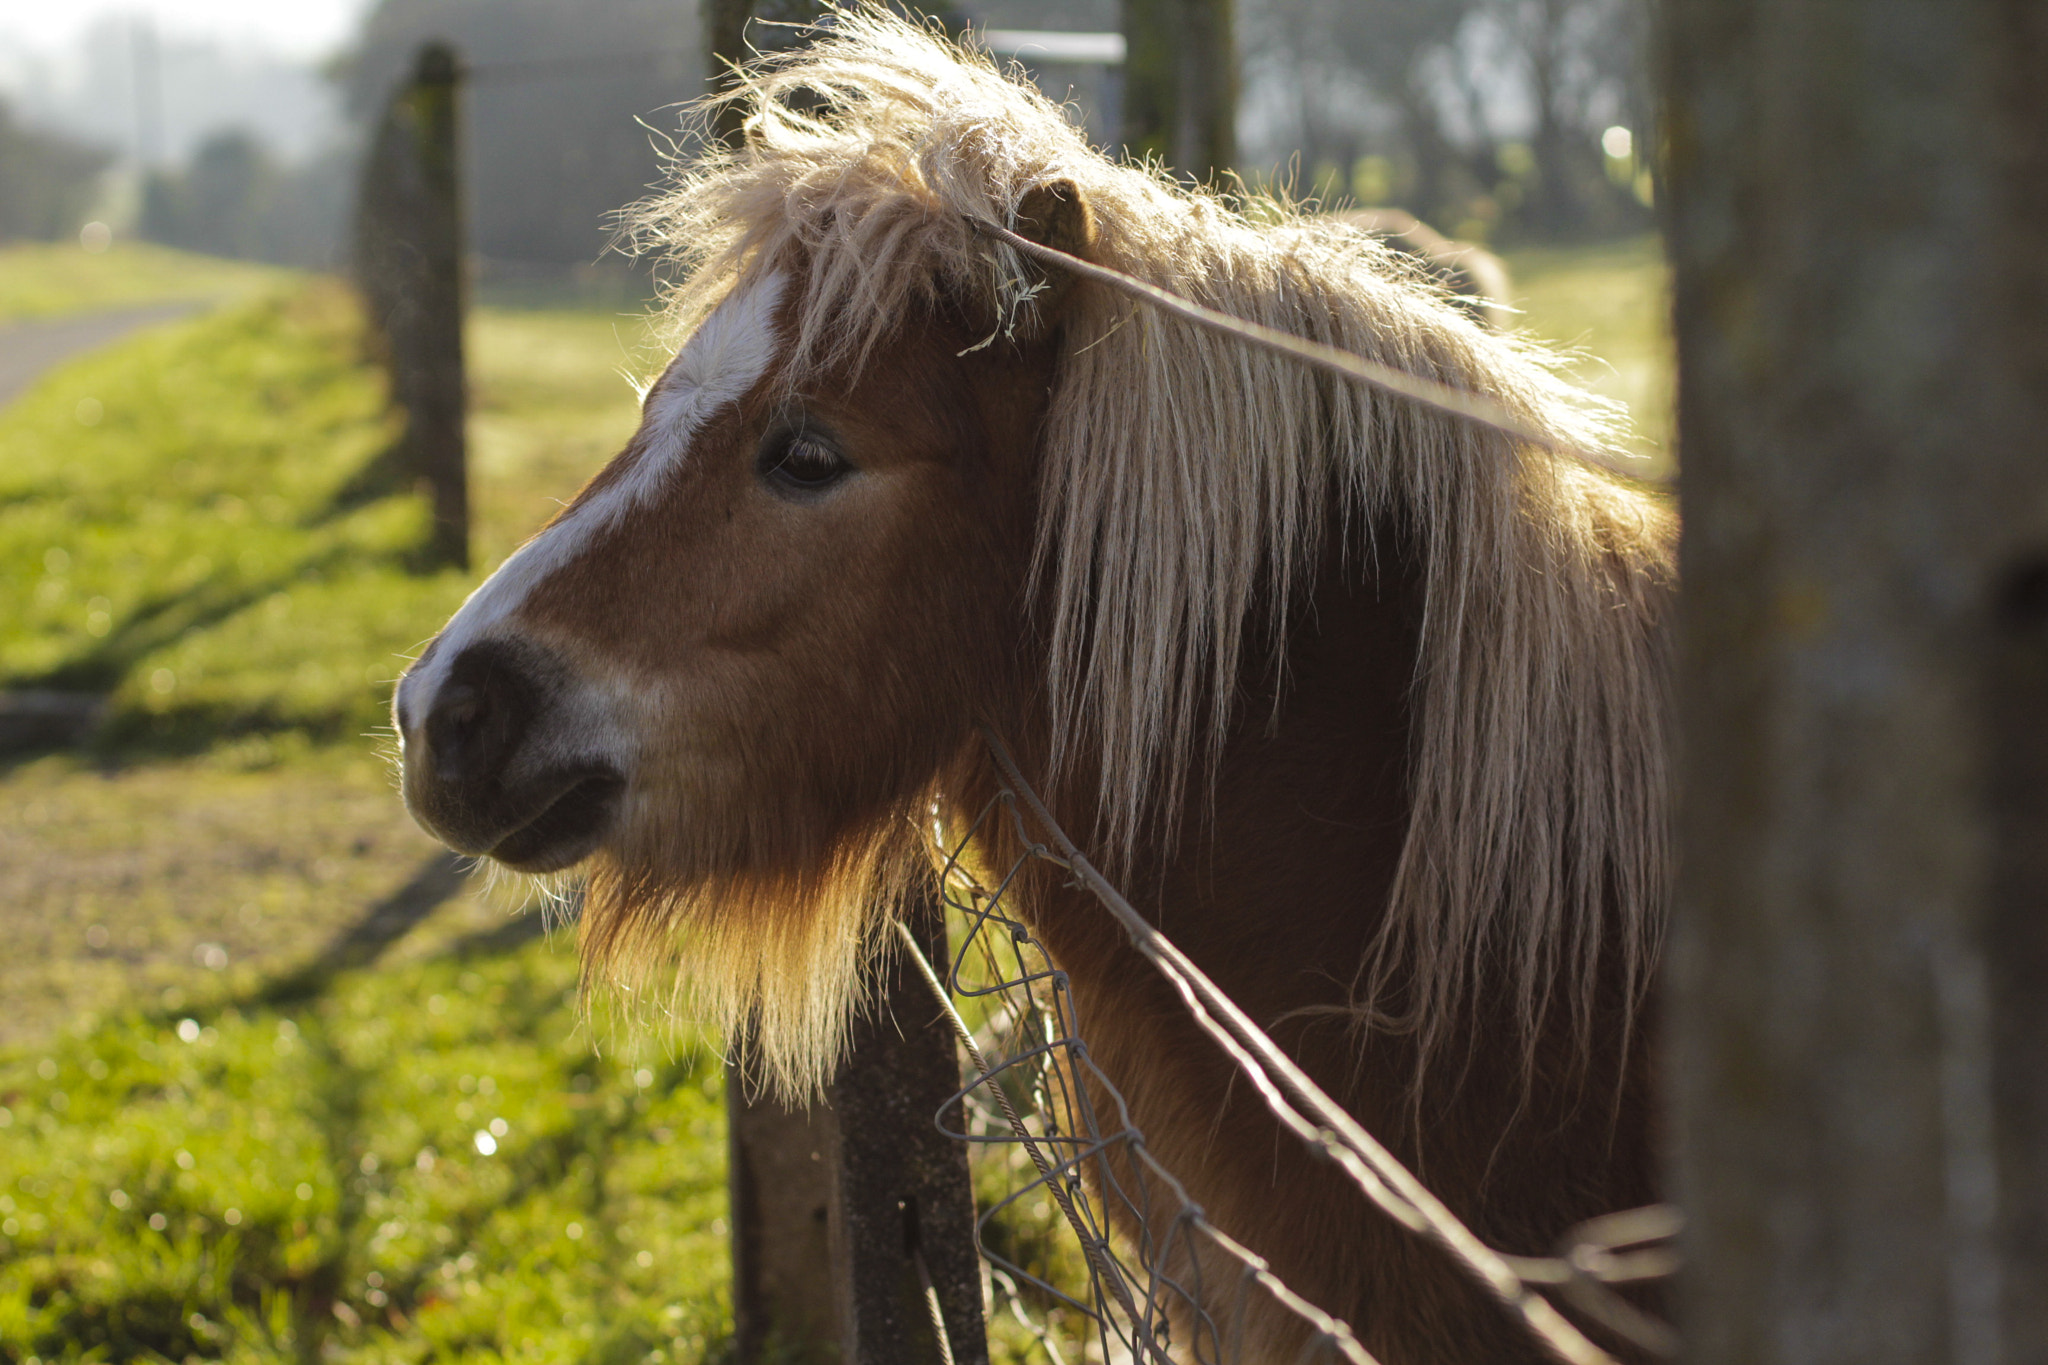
(458, 707)
(479, 715)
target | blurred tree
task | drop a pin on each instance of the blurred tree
(1398, 45)
(235, 199)
(47, 181)
(1180, 84)
(1586, 69)
(216, 205)
(1483, 116)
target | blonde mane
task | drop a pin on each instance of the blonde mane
(1189, 480)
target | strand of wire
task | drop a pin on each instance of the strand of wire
(981, 912)
(549, 68)
(1381, 1176)
(1059, 1050)
(1445, 398)
(1096, 1248)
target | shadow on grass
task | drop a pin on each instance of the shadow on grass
(159, 1322)
(433, 884)
(156, 622)
(159, 620)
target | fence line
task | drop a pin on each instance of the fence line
(1032, 1053)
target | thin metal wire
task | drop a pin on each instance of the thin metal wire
(572, 68)
(1445, 398)
(1031, 1065)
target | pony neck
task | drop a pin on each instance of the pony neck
(1275, 875)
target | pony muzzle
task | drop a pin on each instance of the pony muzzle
(500, 760)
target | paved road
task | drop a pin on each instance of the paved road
(29, 348)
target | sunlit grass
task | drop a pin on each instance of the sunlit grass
(1612, 303)
(551, 400)
(49, 279)
(188, 522)
(427, 1164)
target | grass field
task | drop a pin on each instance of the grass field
(1611, 305)
(186, 523)
(437, 1162)
(51, 279)
(197, 1162)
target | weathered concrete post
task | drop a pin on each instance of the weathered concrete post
(1859, 979)
(409, 266)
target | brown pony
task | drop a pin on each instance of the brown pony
(1363, 704)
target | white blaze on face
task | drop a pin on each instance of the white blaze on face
(723, 360)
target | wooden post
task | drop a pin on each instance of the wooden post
(782, 1167)
(409, 266)
(1179, 93)
(1859, 977)
(905, 1209)
(840, 1211)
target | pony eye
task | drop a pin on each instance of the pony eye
(802, 463)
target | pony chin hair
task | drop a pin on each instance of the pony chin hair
(785, 961)
(1190, 479)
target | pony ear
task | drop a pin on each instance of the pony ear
(1056, 214)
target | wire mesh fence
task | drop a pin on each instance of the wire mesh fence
(1094, 1250)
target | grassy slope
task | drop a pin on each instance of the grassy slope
(1611, 303)
(48, 279)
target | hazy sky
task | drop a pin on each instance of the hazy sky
(300, 28)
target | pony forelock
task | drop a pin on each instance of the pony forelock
(1190, 479)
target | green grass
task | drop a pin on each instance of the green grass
(184, 524)
(430, 1164)
(1612, 304)
(50, 279)
(550, 402)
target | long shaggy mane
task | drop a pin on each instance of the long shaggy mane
(1188, 485)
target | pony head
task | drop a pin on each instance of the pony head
(897, 481)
